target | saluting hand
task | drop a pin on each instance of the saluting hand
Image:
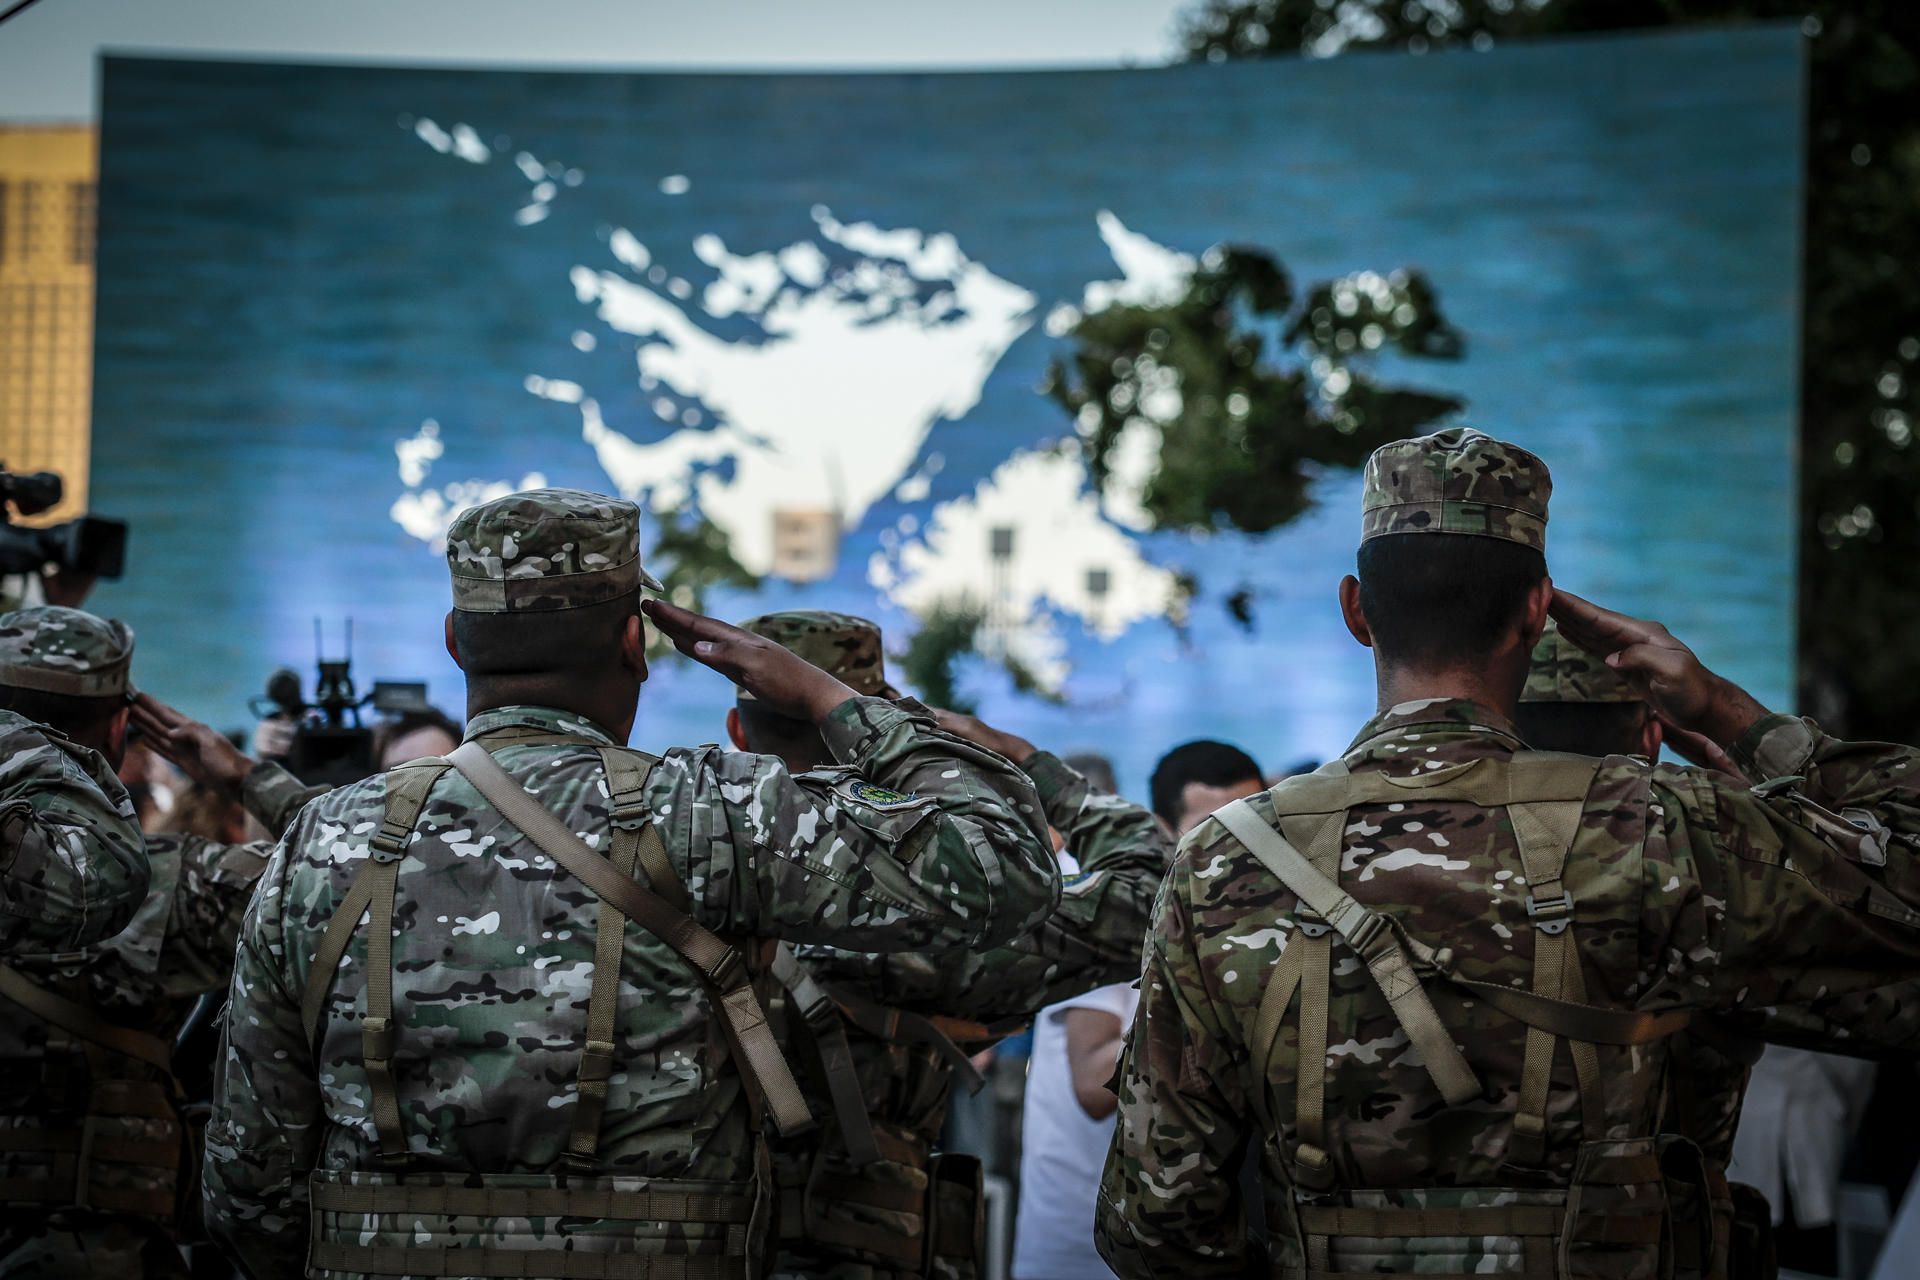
(198, 750)
(982, 734)
(1664, 671)
(789, 685)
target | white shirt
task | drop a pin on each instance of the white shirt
(1062, 1151)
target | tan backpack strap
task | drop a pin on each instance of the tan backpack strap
(83, 1023)
(763, 1070)
(884, 1023)
(823, 1021)
(407, 787)
(1545, 830)
(1373, 937)
(603, 1008)
(378, 1033)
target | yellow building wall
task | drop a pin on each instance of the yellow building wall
(48, 178)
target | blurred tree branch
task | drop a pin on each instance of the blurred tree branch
(1859, 535)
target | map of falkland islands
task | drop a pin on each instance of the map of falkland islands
(858, 339)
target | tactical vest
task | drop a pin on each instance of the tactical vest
(885, 1195)
(109, 1135)
(586, 1220)
(1644, 1206)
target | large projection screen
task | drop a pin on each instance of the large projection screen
(336, 302)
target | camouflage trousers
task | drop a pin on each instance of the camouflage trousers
(71, 1243)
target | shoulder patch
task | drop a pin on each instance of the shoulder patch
(881, 797)
(1073, 884)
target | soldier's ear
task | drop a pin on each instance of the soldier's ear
(1351, 612)
(1533, 619)
(633, 647)
(453, 646)
(736, 731)
(1652, 735)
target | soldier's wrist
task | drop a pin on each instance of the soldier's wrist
(1731, 713)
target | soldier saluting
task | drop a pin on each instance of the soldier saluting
(1436, 982)
(542, 1053)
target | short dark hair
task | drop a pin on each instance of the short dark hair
(68, 714)
(1437, 600)
(543, 642)
(1209, 763)
(1584, 728)
(769, 733)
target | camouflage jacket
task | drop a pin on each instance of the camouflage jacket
(72, 870)
(494, 944)
(1092, 938)
(178, 947)
(1689, 891)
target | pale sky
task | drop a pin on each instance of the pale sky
(48, 54)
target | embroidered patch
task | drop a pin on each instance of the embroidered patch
(1078, 882)
(881, 797)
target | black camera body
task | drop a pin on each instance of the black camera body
(331, 746)
(90, 545)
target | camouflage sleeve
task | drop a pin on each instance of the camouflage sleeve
(1091, 939)
(274, 796)
(209, 905)
(1881, 1023)
(1801, 888)
(73, 865)
(919, 840)
(267, 1115)
(1169, 1197)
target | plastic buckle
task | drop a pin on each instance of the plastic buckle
(389, 843)
(1551, 915)
(1362, 936)
(728, 971)
(629, 815)
(1774, 786)
(376, 1040)
(1310, 924)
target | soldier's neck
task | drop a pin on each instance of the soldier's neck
(1497, 691)
(614, 717)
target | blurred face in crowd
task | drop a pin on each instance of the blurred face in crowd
(1199, 799)
(428, 740)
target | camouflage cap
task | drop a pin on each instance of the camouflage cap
(838, 643)
(1456, 481)
(1561, 671)
(58, 650)
(545, 549)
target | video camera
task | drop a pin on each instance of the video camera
(330, 745)
(89, 545)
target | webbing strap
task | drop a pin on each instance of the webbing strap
(559, 1264)
(150, 1202)
(378, 1034)
(822, 1020)
(886, 1023)
(1488, 783)
(603, 1007)
(763, 1070)
(595, 1199)
(1376, 940)
(1388, 1223)
(1544, 832)
(407, 788)
(77, 1020)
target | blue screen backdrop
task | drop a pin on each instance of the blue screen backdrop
(337, 302)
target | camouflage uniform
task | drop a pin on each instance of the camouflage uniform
(915, 839)
(866, 1220)
(56, 1080)
(71, 870)
(1438, 1140)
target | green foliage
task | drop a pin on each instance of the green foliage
(950, 631)
(690, 556)
(1860, 389)
(1240, 436)
(947, 633)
